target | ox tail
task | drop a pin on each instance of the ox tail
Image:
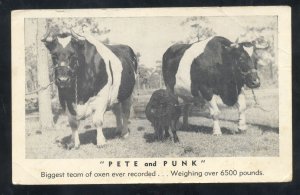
(164, 70)
(166, 75)
(134, 60)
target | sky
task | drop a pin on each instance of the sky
(151, 36)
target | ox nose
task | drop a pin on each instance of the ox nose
(63, 79)
(256, 82)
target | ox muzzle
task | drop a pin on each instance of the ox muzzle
(251, 78)
(64, 76)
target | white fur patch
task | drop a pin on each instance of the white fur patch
(112, 60)
(95, 103)
(249, 50)
(183, 76)
(64, 41)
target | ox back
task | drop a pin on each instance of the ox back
(210, 71)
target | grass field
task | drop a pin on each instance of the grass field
(261, 138)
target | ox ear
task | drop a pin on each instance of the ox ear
(77, 40)
(247, 44)
(260, 44)
(235, 44)
(48, 40)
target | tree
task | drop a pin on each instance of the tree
(62, 25)
(137, 84)
(45, 111)
(143, 76)
(264, 57)
(158, 70)
(31, 77)
(200, 28)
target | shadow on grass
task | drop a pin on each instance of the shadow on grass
(150, 137)
(89, 137)
(204, 129)
(265, 128)
(208, 130)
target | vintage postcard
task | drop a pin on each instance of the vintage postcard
(164, 95)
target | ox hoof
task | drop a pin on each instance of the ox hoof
(241, 131)
(124, 136)
(103, 145)
(176, 140)
(242, 127)
(217, 133)
(167, 136)
(185, 127)
(69, 146)
(101, 142)
(159, 136)
(72, 145)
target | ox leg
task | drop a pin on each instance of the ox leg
(126, 105)
(186, 112)
(173, 128)
(156, 129)
(98, 122)
(160, 132)
(117, 110)
(167, 134)
(241, 104)
(98, 116)
(75, 142)
(214, 112)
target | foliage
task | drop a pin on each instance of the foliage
(31, 68)
(199, 27)
(266, 58)
(62, 25)
(149, 77)
(143, 76)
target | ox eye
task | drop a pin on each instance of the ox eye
(55, 56)
(241, 59)
(72, 55)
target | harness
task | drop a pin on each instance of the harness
(244, 75)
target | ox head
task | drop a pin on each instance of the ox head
(64, 49)
(244, 66)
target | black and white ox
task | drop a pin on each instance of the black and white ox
(91, 78)
(215, 66)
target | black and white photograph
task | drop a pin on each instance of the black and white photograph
(152, 86)
(218, 73)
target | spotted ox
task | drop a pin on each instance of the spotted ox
(215, 66)
(91, 78)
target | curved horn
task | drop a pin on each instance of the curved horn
(76, 36)
(261, 45)
(47, 38)
(235, 44)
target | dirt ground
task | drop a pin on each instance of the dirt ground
(261, 138)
